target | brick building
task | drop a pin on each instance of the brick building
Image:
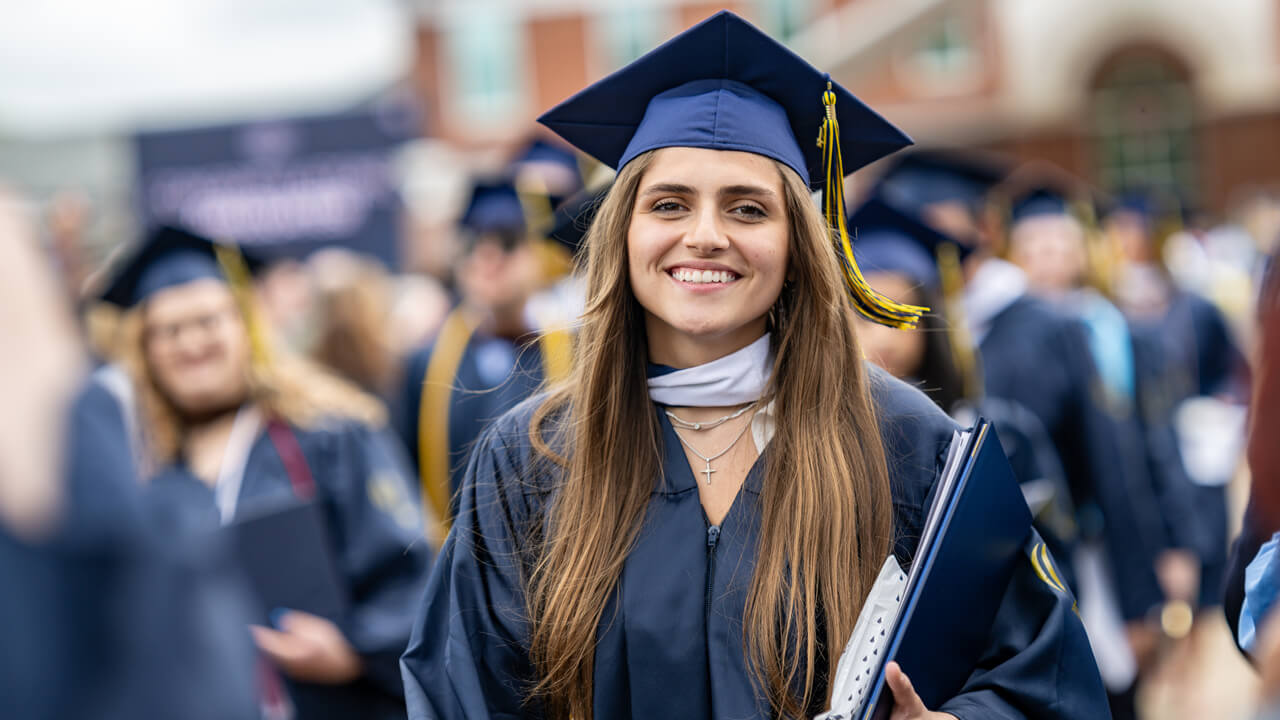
(1178, 94)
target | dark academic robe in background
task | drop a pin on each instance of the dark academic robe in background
(109, 618)
(1190, 353)
(1034, 355)
(381, 555)
(670, 643)
(494, 375)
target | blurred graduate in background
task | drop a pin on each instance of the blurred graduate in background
(103, 615)
(490, 353)
(238, 429)
(1039, 357)
(907, 260)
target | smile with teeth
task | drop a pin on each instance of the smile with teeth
(703, 276)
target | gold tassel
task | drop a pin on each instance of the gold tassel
(958, 338)
(869, 303)
(237, 272)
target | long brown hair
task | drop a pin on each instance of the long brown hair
(827, 509)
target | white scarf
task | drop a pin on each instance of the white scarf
(994, 287)
(735, 379)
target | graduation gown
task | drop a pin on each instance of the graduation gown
(1187, 353)
(493, 376)
(108, 618)
(671, 644)
(1040, 358)
(381, 555)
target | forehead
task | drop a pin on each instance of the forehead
(187, 299)
(704, 168)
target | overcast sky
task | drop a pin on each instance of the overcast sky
(70, 67)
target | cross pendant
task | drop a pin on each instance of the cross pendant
(708, 472)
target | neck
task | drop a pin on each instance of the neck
(681, 351)
(506, 321)
(212, 418)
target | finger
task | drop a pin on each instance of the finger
(303, 623)
(281, 648)
(907, 704)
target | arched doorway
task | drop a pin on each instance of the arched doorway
(1142, 123)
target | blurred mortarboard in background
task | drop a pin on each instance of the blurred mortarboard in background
(545, 152)
(573, 217)
(167, 257)
(927, 177)
(723, 85)
(1041, 188)
(888, 239)
(1038, 201)
(494, 207)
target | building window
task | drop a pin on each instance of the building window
(947, 49)
(944, 60)
(626, 32)
(784, 18)
(485, 51)
(1143, 121)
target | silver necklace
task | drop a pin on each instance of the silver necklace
(682, 423)
(707, 459)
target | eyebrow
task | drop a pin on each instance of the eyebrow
(728, 190)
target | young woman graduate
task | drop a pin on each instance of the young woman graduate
(693, 536)
(235, 431)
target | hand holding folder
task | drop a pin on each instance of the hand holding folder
(934, 621)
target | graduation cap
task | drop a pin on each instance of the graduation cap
(494, 207)
(1037, 201)
(725, 85)
(542, 152)
(887, 239)
(573, 217)
(169, 256)
(928, 177)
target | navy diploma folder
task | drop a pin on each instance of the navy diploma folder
(287, 555)
(971, 543)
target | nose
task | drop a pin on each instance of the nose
(706, 237)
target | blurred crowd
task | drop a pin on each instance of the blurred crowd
(1123, 344)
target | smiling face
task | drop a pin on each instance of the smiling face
(707, 251)
(196, 346)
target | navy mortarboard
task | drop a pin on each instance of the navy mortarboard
(169, 256)
(890, 240)
(1042, 200)
(724, 85)
(494, 207)
(573, 217)
(557, 164)
(929, 177)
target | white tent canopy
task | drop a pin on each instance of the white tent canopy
(82, 67)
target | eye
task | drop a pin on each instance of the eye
(749, 211)
(667, 206)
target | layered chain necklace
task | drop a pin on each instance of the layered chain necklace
(678, 422)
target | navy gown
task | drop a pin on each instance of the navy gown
(494, 375)
(382, 557)
(1040, 358)
(107, 618)
(672, 644)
